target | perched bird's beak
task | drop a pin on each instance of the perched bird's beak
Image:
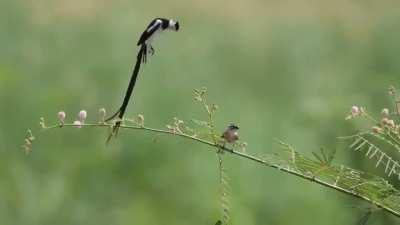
(176, 26)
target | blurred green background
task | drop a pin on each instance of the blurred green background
(279, 69)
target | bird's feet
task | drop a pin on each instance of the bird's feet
(151, 50)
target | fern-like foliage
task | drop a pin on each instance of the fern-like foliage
(373, 152)
(381, 141)
(354, 182)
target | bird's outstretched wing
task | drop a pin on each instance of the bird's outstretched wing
(155, 25)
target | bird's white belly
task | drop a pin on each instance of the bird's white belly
(150, 40)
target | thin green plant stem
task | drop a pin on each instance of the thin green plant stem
(288, 170)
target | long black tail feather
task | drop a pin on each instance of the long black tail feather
(132, 82)
(142, 55)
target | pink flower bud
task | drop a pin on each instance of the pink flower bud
(355, 111)
(78, 124)
(385, 112)
(391, 123)
(61, 116)
(377, 129)
(82, 116)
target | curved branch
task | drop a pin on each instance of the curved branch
(372, 189)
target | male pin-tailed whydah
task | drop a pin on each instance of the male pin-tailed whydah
(155, 28)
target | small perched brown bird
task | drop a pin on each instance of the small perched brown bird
(231, 134)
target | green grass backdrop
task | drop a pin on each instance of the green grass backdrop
(280, 69)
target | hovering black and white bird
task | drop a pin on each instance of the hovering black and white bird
(155, 28)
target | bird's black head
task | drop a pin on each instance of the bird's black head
(177, 26)
(233, 127)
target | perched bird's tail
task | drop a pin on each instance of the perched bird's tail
(141, 57)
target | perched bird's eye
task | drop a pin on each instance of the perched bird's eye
(177, 26)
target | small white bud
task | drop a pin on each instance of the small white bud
(82, 116)
(102, 115)
(78, 124)
(140, 120)
(385, 112)
(61, 116)
(355, 111)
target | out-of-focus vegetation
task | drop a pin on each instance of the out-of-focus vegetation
(281, 69)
